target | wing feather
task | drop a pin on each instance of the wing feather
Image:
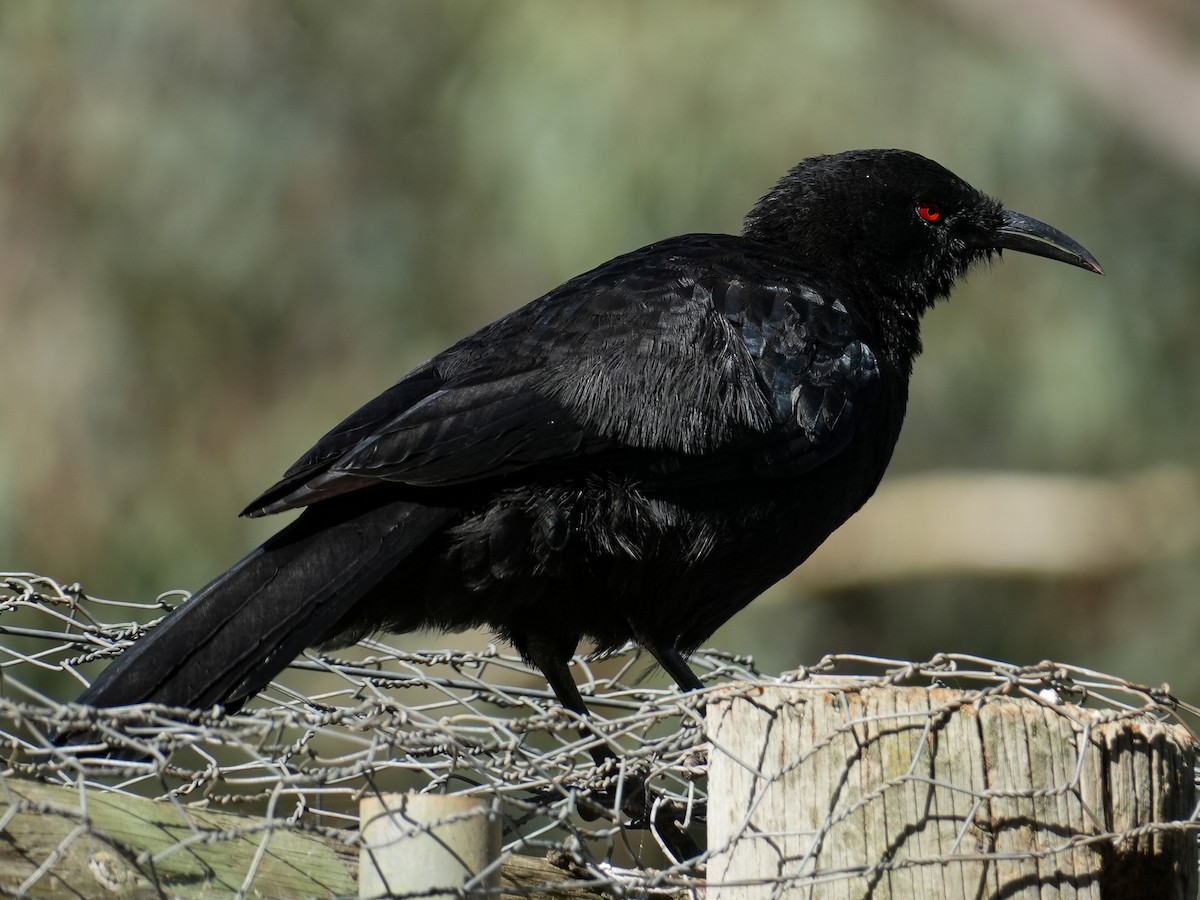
(661, 356)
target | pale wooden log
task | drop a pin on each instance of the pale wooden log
(52, 845)
(839, 790)
(58, 842)
(431, 845)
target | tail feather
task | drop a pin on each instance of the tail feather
(230, 639)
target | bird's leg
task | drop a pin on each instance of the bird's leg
(554, 666)
(669, 657)
(675, 665)
(557, 672)
(636, 801)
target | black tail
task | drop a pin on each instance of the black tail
(232, 637)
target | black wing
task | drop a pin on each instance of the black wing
(695, 351)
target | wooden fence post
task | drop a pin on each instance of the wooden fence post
(834, 790)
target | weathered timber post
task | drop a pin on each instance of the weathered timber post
(831, 789)
(422, 843)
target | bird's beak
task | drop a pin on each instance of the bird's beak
(1026, 234)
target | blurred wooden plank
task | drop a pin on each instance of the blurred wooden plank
(1010, 524)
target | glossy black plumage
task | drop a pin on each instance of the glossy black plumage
(635, 455)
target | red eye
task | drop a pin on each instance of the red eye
(929, 213)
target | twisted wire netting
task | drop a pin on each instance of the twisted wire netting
(377, 719)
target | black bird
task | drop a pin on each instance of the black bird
(635, 455)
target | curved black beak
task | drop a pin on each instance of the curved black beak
(1026, 234)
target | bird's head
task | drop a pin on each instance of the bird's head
(897, 224)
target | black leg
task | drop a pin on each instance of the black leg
(636, 803)
(676, 666)
(553, 663)
(669, 657)
(558, 673)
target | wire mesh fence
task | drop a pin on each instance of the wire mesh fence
(618, 805)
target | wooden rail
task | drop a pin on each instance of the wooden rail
(131, 847)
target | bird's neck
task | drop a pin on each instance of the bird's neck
(889, 314)
(889, 304)
(895, 328)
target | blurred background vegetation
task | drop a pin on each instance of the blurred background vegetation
(224, 225)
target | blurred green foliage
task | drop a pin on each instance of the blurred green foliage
(223, 225)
